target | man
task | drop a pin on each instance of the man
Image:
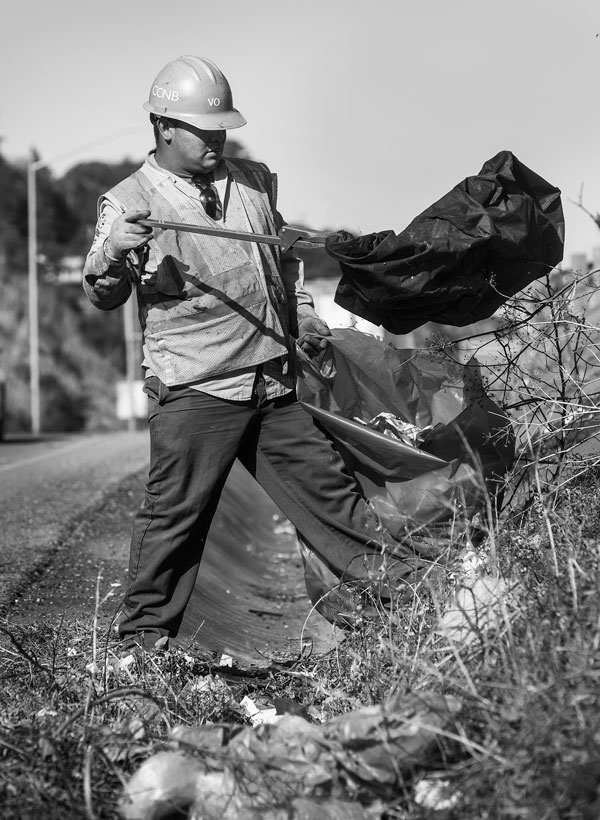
(220, 318)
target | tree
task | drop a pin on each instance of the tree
(82, 185)
(13, 218)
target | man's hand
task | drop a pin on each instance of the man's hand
(311, 331)
(126, 235)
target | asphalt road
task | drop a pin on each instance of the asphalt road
(65, 523)
(47, 484)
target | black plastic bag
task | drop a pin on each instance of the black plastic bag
(459, 260)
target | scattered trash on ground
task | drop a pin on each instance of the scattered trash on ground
(292, 769)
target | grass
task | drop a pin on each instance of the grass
(527, 742)
(76, 725)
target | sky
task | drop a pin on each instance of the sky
(368, 111)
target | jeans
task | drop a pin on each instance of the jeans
(194, 440)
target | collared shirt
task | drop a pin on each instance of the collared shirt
(237, 385)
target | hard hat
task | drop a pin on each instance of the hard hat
(193, 90)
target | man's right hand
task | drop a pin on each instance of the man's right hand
(126, 235)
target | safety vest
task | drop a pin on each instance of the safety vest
(208, 309)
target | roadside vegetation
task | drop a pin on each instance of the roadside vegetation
(513, 643)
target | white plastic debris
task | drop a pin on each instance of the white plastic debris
(214, 687)
(45, 712)
(165, 783)
(474, 610)
(258, 716)
(436, 794)
(111, 666)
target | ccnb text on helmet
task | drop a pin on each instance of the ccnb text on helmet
(163, 93)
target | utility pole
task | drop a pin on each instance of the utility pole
(33, 313)
(132, 356)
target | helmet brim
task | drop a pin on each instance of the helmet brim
(207, 122)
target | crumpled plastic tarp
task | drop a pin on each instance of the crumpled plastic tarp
(469, 438)
(459, 260)
(426, 496)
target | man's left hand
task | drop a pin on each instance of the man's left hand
(311, 331)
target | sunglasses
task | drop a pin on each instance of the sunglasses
(209, 198)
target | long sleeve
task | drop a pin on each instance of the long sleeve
(300, 301)
(107, 283)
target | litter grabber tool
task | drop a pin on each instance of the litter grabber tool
(287, 237)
